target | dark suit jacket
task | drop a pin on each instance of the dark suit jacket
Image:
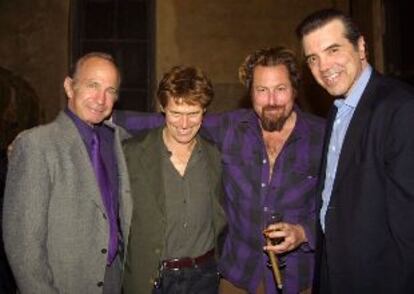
(369, 237)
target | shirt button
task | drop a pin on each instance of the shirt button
(99, 284)
(104, 251)
(263, 185)
(185, 225)
(157, 251)
(264, 161)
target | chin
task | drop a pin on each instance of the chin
(333, 92)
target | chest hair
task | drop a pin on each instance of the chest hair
(274, 142)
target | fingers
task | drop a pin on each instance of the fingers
(278, 249)
(291, 237)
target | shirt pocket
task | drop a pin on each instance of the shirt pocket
(297, 193)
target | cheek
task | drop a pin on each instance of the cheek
(109, 104)
(195, 123)
(315, 72)
(290, 105)
(170, 123)
(258, 102)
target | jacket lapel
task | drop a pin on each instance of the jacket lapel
(124, 193)
(356, 129)
(151, 161)
(71, 140)
(329, 125)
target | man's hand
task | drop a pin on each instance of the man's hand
(291, 237)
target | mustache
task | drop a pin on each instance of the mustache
(272, 107)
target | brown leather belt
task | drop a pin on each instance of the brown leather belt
(187, 262)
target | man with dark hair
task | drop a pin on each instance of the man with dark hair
(366, 193)
(176, 189)
(67, 205)
(270, 156)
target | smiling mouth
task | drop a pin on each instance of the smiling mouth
(331, 79)
(96, 111)
(183, 133)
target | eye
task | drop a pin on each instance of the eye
(175, 114)
(113, 92)
(333, 50)
(260, 89)
(311, 60)
(194, 114)
(281, 88)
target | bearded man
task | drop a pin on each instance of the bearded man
(270, 157)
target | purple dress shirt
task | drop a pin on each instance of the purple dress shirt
(110, 200)
(291, 191)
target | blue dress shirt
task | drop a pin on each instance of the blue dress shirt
(346, 108)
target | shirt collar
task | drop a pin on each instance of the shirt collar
(355, 94)
(86, 131)
(167, 153)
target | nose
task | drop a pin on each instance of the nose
(100, 97)
(184, 121)
(324, 63)
(273, 97)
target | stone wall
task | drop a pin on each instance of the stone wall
(34, 46)
(215, 35)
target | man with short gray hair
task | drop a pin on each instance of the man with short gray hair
(67, 205)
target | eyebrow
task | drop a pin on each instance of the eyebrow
(335, 45)
(182, 112)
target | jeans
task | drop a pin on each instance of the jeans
(198, 280)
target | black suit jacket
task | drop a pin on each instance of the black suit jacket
(368, 245)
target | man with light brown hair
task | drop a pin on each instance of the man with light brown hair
(175, 180)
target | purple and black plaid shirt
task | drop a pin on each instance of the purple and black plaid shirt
(291, 191)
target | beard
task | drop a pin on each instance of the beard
(274, 122)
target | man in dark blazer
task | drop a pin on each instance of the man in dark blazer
(366, 194)
(67, 202)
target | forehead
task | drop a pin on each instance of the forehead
(99, 68)
(276, 74)
(332, 32)
(173, 105)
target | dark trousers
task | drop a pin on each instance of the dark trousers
(198, 280)
(324, 282)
